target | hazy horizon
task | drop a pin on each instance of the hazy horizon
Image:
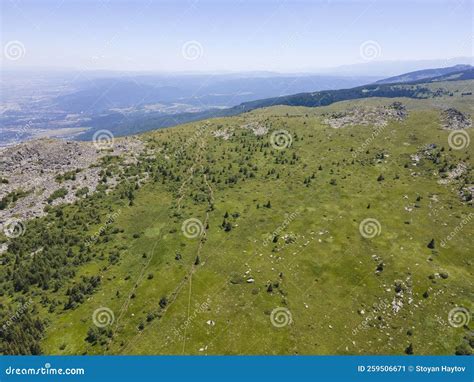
(208, 36)
(376, 70)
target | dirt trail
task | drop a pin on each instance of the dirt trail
(198, 255)
(176, 292)
(137, 282)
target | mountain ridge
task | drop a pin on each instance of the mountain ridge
(424, 74)
(416, 89)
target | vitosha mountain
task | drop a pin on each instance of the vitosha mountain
(325, 222)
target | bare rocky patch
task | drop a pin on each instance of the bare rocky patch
(222, 133)
(51, 172)
(367, 116)
(453, 119)
(257, 128)
(457, 175)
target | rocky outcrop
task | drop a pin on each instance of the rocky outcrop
(453, 119)
(36, 168)
(373, 116)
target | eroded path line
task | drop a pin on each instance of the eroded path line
(128, 299)
(174, 295)
(181, 190)
(197, 159)
(193, 269)
(201, 242)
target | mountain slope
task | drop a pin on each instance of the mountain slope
(270, 232)
(424, 74)
(455, 76)
(417, 89)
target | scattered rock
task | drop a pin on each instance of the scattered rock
(453, 119)
(34, 166)
(377, 116)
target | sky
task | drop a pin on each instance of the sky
(230, 35)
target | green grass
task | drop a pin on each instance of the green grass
(325, 276)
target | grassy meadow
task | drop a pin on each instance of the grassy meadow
(273, 227)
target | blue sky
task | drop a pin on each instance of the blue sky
(232, 35)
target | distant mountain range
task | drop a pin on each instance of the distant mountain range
(390, 89)
(391, 68)
(190, 93)
(133, 93)
(416, 88)
(426, 74)
(61, 104)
